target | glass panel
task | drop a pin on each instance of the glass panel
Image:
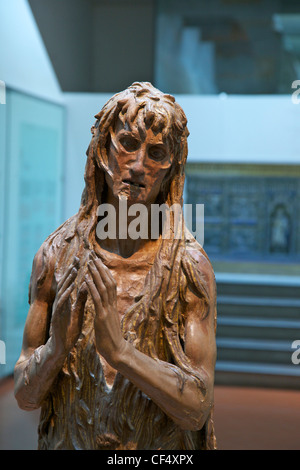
(2, 192)
(33, 203)
(227, 46)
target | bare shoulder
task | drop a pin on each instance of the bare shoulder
(200, 259)
(42, 276)
(201, 282)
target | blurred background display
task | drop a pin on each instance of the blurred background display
(234, 67)
(31, 197)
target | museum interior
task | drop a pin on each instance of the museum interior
(234, 67)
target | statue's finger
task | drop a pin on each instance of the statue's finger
(93, 290)
(73, 266)
(64, 296)
(97, 278)
(68, 281)
(105, 274)
(81, 297)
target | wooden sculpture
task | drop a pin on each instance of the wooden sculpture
(119, 344)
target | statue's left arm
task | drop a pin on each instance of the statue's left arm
(190, 406)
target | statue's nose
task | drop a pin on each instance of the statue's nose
(138, 166)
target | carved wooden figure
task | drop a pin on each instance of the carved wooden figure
(119, 344)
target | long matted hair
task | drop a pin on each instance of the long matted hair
(155, 323)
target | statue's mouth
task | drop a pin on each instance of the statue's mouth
(134, 184)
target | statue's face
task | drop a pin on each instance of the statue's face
(138, 164)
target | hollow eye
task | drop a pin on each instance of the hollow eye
(130, 144)
(157, 153)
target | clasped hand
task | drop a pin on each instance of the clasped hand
(67, 317)
(103, 289)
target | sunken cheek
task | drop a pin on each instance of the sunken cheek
(123, 162)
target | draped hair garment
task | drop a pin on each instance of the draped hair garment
(81, 411)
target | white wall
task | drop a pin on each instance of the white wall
(239, 129)
(242, 129)
(80, 111)
(24, 62)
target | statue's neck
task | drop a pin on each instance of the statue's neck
(129, 227)
(128, 224)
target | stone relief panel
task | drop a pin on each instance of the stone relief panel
(248, 217)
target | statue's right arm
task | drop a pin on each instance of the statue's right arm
(42, 356)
